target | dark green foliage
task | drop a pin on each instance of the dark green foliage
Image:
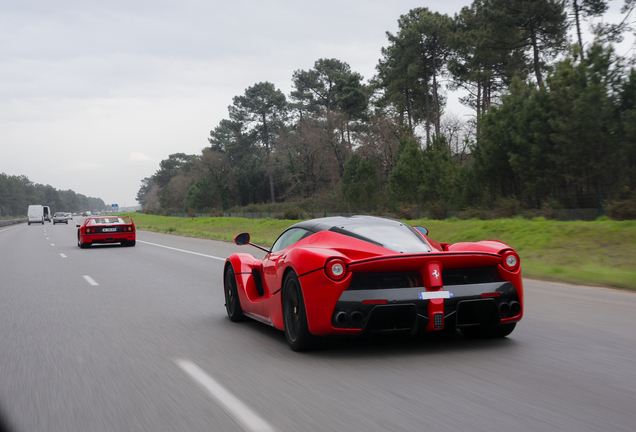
(569, 139)
(18, 192)
(359, 182)
(261, 112)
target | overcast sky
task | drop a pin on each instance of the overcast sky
(94, 94)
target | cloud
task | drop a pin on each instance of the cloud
(140, 157)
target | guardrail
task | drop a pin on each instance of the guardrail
(5, 222)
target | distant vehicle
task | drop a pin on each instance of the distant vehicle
(69, 216)
(106, 229)
(364, 275)
(87, 213)
(60, 217)
(35, 214)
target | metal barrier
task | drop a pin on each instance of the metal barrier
(5, 222)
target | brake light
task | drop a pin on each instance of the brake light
(510, 260)
(336, 269)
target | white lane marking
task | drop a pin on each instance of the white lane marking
(250, 420)
(90, 280)
(63, 256)
(52, 244)
(183, 250)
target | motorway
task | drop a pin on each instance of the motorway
(137, 339)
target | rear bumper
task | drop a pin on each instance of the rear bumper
(108, 238)
(413, 310)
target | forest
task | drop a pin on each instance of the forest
(18, 192)
(553, 124)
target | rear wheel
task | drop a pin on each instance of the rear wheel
(232, 302)
(488, 333)
(129, 243)
(295, 315)
(81, 244)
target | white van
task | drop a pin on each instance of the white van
(36, 214)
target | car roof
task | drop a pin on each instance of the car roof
(323, 224)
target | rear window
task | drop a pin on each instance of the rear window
(103, 221)
(397, 237)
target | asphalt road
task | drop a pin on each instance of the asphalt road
(136, 339)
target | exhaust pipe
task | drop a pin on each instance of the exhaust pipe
(504, 309)
(341, 318)
(356, 317)
(515, 308)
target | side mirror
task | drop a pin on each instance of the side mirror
(242, 239)
(78, 225)
(421, 229)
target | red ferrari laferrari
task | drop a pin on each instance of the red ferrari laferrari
(106, 229)
(350, 276)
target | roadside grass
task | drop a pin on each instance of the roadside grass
(602, 252)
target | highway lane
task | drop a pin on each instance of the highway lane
(77, 357)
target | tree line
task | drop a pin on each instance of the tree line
(18, 192)
(553, 121)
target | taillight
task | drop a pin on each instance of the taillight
(336, 269)
(88, 230)
(510, 260)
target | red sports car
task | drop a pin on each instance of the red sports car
(367, 275)
(106, 229)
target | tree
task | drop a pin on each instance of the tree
(540, 27)
(407, 173)
(412, 65)
(566, 139)
(169, 168)
(142, 195)
(334, 95)
(261, 111)
(584, 9)
(359, 182)
(480, 62)
(309, 170)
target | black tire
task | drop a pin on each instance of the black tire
(295, 315)
(232, 301)
(488, 333)
(82, 245)
(129, 243)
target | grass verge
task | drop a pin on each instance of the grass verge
(591, 253)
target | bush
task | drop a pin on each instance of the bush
(405, 212)
(623, 209)
(507, 208)
(436, 210)
(291, 213)
(475, 213)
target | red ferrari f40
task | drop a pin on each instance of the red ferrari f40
(106, 229)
